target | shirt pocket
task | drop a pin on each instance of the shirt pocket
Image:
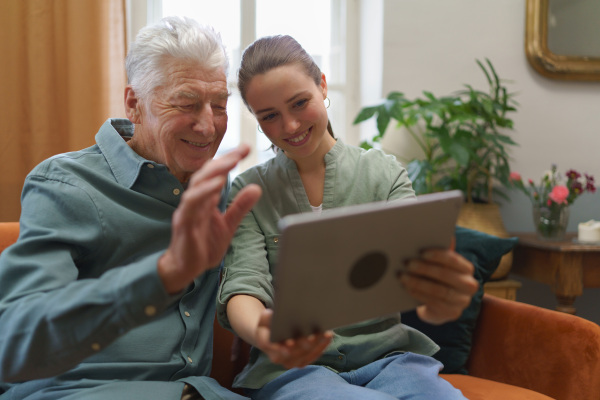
(272, 247)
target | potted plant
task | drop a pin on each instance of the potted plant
(464, 139)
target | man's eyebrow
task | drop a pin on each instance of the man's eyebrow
(192, 95)
(224, 95)
(187, 95)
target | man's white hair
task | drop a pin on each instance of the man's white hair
(179, 38)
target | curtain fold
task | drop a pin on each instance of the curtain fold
(62, 75)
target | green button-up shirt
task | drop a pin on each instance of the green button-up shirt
(83, 312)
(352, 176)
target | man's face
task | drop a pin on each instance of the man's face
(183, 122)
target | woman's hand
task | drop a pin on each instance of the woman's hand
(442, 280)
(291, 353)
(251, 320)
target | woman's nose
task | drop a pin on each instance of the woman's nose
(291, 124)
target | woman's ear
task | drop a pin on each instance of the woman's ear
(323, 86)
(132, 104)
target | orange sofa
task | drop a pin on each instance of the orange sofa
(519, 351)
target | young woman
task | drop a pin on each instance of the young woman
(378, 359)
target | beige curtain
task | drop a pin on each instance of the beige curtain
(61, 77)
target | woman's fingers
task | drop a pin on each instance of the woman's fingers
(304, 351)
(442, 280)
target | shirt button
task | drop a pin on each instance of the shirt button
(276, 240)
(190, 359)
(150, 311)
(95, 346)
(187, 314)
(176, 192)
(340, 357)
(150, 166)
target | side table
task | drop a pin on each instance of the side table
(505, 288)
(567, 266)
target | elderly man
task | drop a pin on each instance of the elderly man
(109, 292)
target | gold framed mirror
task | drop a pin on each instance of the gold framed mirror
(544, 58)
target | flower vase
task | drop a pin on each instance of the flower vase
(551, 222)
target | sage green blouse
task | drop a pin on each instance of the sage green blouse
(352, 176)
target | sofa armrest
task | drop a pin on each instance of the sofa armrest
(9, 232)
(553, 353)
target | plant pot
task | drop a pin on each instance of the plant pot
(486, 218)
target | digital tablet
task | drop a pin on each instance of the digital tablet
(340, 267)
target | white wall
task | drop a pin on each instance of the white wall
(432, 45)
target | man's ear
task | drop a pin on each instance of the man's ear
(132, 105)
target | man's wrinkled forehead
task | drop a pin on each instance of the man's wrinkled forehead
(219, 92)
(192, 80)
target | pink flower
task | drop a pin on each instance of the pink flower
(559, 194)
(514, 176)
(550, 192)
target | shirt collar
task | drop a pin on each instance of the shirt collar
(123, 161)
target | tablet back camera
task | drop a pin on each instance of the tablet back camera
(368, 270)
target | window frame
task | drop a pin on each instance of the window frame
(345, 21)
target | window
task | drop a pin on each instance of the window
(321, 27)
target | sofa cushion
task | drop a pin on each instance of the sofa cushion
(454, 338)
(483, 389)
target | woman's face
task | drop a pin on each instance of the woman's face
(290, 110)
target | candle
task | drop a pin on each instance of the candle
(589, 231)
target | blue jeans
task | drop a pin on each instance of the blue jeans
(403, 376)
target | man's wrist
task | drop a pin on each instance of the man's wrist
(166, 273)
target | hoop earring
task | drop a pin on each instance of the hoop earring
(260, 130)
(328, 102)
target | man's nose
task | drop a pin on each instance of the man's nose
(204, 121)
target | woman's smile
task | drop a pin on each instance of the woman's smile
(299, 139)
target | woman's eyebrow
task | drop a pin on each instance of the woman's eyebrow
(294, 97)
(264, 110)
(290, 100)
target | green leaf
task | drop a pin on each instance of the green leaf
(485, 72)
(429, 95)
(398, 96)
(365, 113)
(418, 170)
(365, 145)
(383, 120)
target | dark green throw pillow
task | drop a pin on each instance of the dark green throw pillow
(454, 338)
